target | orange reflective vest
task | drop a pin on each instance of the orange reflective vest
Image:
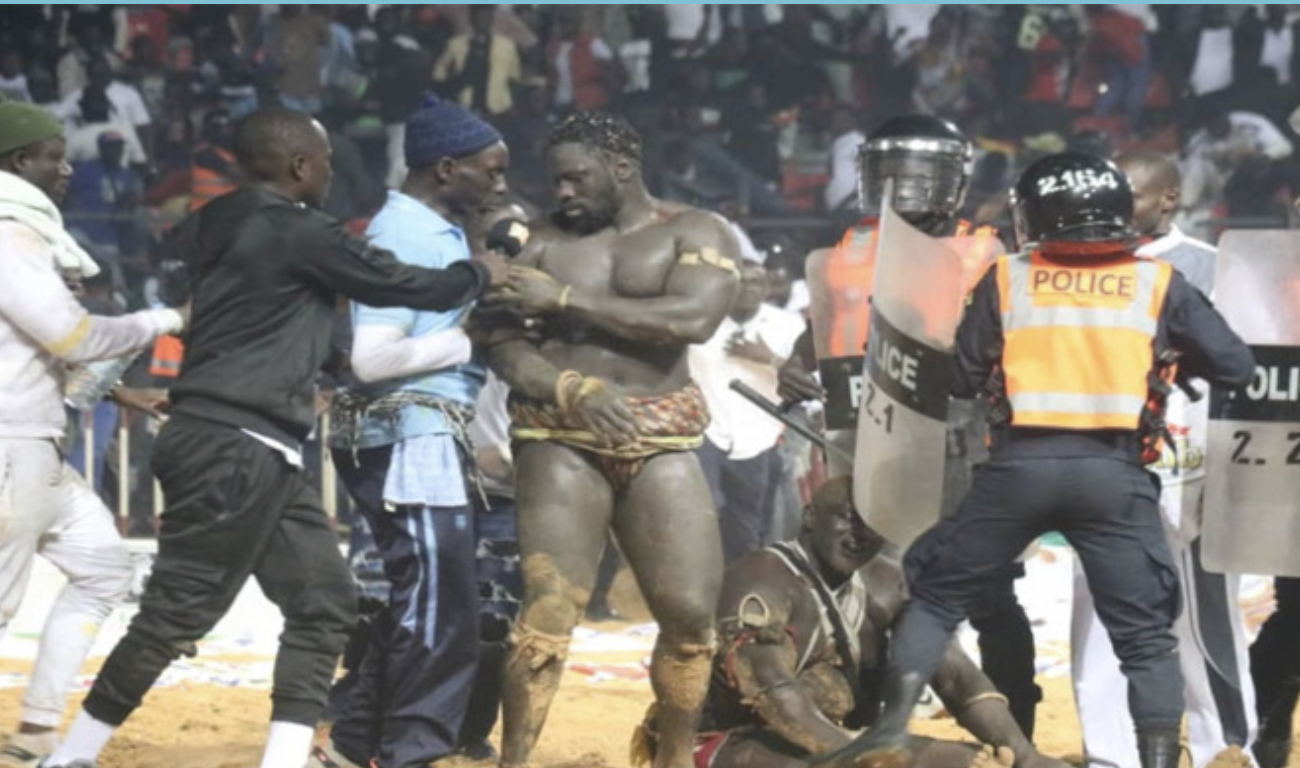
(1079, 338)
(207, 184)
(850, 275)
(168, 351)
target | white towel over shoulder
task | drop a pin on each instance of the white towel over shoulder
(24, 202)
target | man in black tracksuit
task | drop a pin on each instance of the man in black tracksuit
(266, 271)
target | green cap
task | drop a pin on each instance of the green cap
(23, 124)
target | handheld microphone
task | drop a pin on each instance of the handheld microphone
(507, 237)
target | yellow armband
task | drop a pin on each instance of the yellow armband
(711, 257)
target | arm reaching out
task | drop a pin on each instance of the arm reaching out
(1211, 349)
(382, 352)
(697, 295)
(373, 276)
(37, 302)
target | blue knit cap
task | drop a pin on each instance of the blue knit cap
(441, 129)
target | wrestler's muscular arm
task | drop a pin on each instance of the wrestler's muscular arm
(520, 363)
(761, 659)
(513, 356)
(697, 296)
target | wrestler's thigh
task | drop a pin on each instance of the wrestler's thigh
(932, 753)
(565, 506)
(668, 530)
(758, 748)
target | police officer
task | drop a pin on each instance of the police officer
(1070, 338)
(928, 161)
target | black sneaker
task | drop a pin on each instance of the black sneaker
(1271, 753)
(481, 752)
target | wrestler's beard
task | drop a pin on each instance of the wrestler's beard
(585, 224)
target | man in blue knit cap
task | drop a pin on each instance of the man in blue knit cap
(402, 450)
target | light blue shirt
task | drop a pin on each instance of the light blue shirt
(425, 468)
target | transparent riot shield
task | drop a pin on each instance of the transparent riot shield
(1251, 517)
(902, 435)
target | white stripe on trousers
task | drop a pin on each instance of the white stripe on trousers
(419, 525)
(1100, 686)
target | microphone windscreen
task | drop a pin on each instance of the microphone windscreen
(508, 236)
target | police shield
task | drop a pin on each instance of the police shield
(1251, 521)
(840, 283)
(902, 436)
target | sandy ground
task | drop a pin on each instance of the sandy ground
(203, 726)
(199, 725)
(217, 727)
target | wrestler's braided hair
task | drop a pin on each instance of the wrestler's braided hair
(601, 130)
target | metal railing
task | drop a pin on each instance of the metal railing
(328, 477)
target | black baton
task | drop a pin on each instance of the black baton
(773, 410)
(1184, 383)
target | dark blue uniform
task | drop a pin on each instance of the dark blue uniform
(1091, 486)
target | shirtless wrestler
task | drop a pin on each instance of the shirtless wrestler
(605, 419)
(792, 618)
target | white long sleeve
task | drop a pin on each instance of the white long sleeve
(42, 327)
(382, 352)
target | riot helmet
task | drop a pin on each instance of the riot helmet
(1073, 198)
(929, 161)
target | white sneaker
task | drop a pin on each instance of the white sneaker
(25, 750)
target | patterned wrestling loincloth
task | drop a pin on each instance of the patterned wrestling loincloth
(707, 747)
(665, 423)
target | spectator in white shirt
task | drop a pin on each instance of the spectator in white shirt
(1229, 142)
(1271, 77)
(842, 189)
(96, 119)
(1213, 55)
(691, 28)
(88, 43)
(13, 82)
(1277, 45)
(125, 102)
(739, 456)
(908, 26)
